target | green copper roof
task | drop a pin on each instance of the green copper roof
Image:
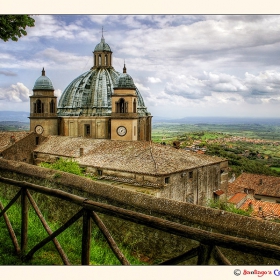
(125, 81)
(43, 83)
(102, 46)
(90, 94)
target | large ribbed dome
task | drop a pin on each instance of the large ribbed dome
(90, 94)
(43, 83)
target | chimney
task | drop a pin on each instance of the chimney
(12, 139)
(251, 207)
(81, 152)
(261, 182)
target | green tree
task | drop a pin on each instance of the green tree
(13, 26)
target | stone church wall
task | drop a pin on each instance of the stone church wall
(195, 186)
(75, 127)
(22, 150)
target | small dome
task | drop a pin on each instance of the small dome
(102, 46)
(125, 81)
(43, 83)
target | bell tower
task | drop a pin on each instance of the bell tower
(43, 105)
(124, 122)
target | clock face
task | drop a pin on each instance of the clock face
(121, 130)
(39, 129)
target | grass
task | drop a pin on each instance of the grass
(70, 240)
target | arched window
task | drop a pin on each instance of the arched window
(105, 59)
(121, 106)
(99, 60)
(52, 106)
(134, 106)
(39, 107)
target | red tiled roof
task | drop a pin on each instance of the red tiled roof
(219, 192)
(237, 198)
(262, 209)
(261, 184)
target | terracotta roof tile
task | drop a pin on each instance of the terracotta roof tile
(261, 184)
(219, 192)
(237, 198)
(262, 209)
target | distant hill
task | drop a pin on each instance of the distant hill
(217, 120)
(14, 116)
(23, 117)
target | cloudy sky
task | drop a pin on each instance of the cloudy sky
(183, 65)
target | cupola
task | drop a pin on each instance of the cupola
(43, 82)
(102, 55)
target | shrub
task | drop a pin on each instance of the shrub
(66, 165)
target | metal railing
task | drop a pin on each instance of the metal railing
(209, 242)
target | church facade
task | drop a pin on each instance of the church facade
(100, 104)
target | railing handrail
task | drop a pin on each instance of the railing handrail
(203, 236)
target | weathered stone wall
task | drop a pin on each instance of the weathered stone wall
(194, 186)
(143, 240)
(22, 150)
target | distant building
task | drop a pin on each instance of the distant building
(261, 187)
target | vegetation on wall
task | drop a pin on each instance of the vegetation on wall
(65, 165)
(223, 205)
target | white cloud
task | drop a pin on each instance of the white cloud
(58, 93)
(177, 61)
(15, 93)
(154, 80)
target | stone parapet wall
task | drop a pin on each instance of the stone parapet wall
(221, 221)
(154, 242)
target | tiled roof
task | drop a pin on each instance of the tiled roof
(219, 192)
(5, 138)
(136, 156)
(261, 184)
(262, 209)
(237, 198)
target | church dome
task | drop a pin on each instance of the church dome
(102, 46)
(90, 94)
(125, 81)
(43, 83)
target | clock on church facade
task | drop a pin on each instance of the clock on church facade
(101, 103)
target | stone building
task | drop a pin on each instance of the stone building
(143, 166)
(101, 121)
(101, 104)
